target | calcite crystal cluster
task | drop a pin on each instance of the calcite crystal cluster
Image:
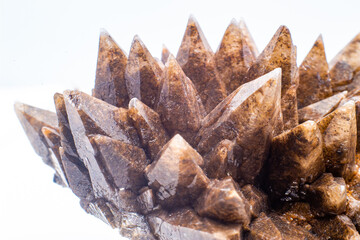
(226, 145)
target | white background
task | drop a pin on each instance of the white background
(48, 46)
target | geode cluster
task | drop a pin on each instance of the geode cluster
(225, 145)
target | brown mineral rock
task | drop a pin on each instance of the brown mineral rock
(122, 163)
(353, 210)
(146, 200)
(77, 176)
(257, 200)
(149, 127)
(33, 120)
(327, 194)
(135, 227)
(248, 38)
(179, 106)
(341, 74)
(99, 209)
(233, 57)
(247, 102)
(338, 227)
(314, 81)
(197, 60)
(216, 162)
(185, 224)
(321, 108)
(262, 228)
(142, 74)
(110, 83)
(339, 134)
(52, 138)
(298, 213)
(350, 54)
(224, 201)
(280, 52)
(296, 159)
(164, 54)
(175, 175)
(98, 117)
(275, 227)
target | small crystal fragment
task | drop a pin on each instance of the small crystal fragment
(321, 108)
(176, 175)
(135, 227)
(143, 74)
(123, 163)
(110, 83)
(248, 38)
(296, 158)
(233, 57)
(197, 60)
(327, 195)
(314, 81)
(280, 52)
(262, 228)
(224, 201)
(149, 127)
(185, 224)
(33, 120)
(179, 106)
(341, 75)
(349, 54)
(298, 213)
(339, 134)
(353, 210)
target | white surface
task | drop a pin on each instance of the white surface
(48, 46)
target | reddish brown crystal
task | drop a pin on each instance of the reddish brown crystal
(339, 134)
(180, 106)
(224, 201)
(110, 72)
(296, 158)
(314, 81)
(186, 224)
(197, 60)
(258, 201)
(149, 127)
(280, 52)
(321, 108)
(175, 175)
(233, 57)
(143, 74)
(165, 54)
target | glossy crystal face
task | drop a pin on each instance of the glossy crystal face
(226, 145)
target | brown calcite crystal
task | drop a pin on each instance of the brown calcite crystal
(338, 227)
(149, 127)
(142, 74)
(110, 72)
(280, 53)
(209, 146)
(123, 163)
(296, 159)
(321, 108)
(197, 60)
(328, 195)
(339, 134)
(233, 57)
(186, 224)
(224, 201)
(180, 107)
(33, 120)
(176, 175)
(258, 100)
(314, 81)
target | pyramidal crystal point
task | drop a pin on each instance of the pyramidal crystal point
(221, 146)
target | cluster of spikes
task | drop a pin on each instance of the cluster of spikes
(225, 145)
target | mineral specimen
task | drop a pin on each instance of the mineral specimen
(226, 145)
